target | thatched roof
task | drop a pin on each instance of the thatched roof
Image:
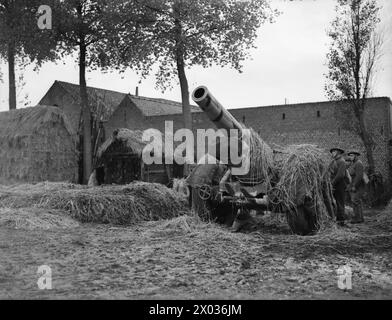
(28, 121)
(131, 138)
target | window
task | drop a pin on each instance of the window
(283, 116)
(318, 114)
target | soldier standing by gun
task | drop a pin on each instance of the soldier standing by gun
(338, 180)
(357, 186)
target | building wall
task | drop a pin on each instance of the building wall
(127, 116)
(313, 123)
(318, 124)
(57, 96)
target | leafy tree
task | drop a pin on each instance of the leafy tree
(21, 41)
(187, 33)
(356, 47)
(79, 27)
(91, 28)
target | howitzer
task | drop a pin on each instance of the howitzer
(227, 197)
(222, 119)
(214, 110)
(220, 189)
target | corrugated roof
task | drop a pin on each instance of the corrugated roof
(108, 101)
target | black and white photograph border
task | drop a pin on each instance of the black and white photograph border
(195, 150)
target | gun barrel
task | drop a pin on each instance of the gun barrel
(214, 110)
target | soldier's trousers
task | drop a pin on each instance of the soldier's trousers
(356, 198)
(339, 194)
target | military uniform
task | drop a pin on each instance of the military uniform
(338, 180)
(357, 189)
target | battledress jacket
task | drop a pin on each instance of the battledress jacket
(356, 171)
(338, 171)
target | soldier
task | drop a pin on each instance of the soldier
(357, 186)
(338, 180)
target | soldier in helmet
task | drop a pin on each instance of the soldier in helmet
(357, 186)
(338, 180)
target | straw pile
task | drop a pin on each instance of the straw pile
(131, 140)
(304, 173)
(26, 195)
(35, 219)
(36, 144)
(261, 161)
(120, 205)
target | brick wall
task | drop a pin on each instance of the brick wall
(313, 123)
(317, 123)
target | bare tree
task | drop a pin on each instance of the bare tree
(355, 50)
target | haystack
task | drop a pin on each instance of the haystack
(36, 145)
(120, 205)
(261, 162)
(304, 175)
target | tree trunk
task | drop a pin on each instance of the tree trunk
(186, 107)
(87, 147)
(367, 142)
(11, 75)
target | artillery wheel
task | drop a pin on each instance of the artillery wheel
(304, 221)
(208, 211)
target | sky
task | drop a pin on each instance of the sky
(288, 65)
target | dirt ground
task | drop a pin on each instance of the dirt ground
(186, 259)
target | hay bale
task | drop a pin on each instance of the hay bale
(35, 219)
(120, 205)
(304, 176)
(36, 144)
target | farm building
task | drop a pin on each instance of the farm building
(119, 161)
(113, 109)
(36, 145)
(314, 122)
